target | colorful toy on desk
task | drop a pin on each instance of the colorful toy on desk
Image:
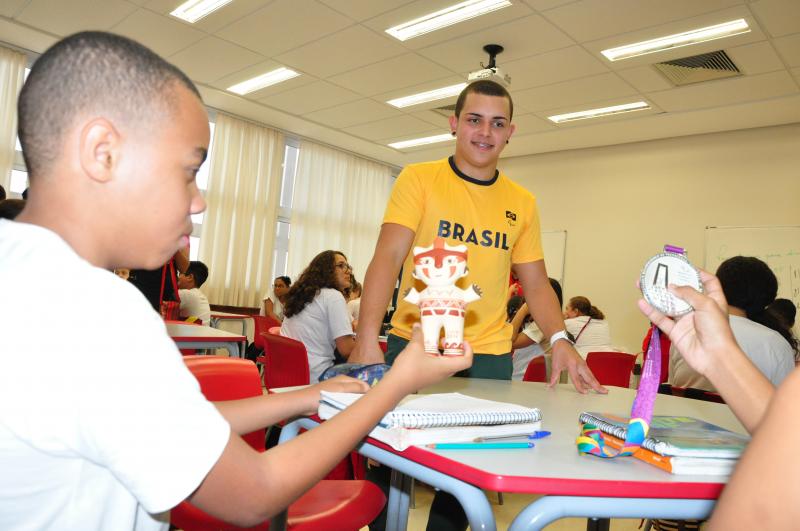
(371, 374)
(442, 304)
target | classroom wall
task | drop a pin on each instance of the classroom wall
(621, 204)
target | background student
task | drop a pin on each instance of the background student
(273, 301)
(588, 326)
(194, 302)
(316, 312)
(113, 137)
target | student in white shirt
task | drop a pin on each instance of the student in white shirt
(588, 326)
(316, 312)
(114, 431)
(273, 301)
(193, 301)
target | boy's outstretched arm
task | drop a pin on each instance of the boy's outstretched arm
(543, 305)
(245, 487)
(705, 340)
(394, 243)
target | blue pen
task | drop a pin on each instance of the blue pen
(480, 446)
(529, 436)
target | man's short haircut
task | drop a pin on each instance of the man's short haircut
(487, 88)
(199, 271)
(91, 74)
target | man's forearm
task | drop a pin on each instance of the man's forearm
(378, 286)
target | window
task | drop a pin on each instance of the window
(281, 255)
(202, 184)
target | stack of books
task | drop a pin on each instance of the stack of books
(679, 445)
(441, 418)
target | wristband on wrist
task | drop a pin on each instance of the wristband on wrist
(562, 334)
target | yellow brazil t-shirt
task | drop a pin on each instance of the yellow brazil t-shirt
(497, 220)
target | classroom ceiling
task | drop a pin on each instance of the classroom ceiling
(350, 66)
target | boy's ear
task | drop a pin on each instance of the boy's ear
(99, 149)
(453, 123)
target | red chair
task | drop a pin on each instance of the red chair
(611, 368)
(261, 325)
(536, 371)
(665, 345)
(346, 505)
(285, 362)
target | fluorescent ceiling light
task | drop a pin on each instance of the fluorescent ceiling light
(710, 33)
(597, 113)
(445, 17)
(422, 141)
(264, 80)
(193, 10)
(431, 95)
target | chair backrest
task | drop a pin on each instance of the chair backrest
(697, 394)
(536, 371)
(261, 325)
(611, 368)
(222, 378)
(286, 362)
(274, 330)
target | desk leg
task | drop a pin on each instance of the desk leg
(397, 505)
(547, 510)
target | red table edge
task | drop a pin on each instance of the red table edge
(229, 339)
(557, 486)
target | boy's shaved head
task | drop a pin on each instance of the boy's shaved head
(91, 74)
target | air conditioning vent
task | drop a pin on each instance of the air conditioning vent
(699, 68)
(446, 111)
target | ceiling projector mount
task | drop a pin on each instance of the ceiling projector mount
(491, 71)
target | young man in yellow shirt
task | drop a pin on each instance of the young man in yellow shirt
(465, 199)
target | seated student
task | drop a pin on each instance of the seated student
(272, 302)
(316, 312)
(354, 300)
(588, 326)
(527, 340)
(193, 301)
(749, 285)
(706, 342)
(114, 432)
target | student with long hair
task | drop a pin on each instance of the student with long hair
(316, 311)
(273, 301)
(749, 286)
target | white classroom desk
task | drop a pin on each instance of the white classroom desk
(574, 485)
(218, 318)
(205, 337)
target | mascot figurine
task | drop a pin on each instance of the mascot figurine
(442, 304)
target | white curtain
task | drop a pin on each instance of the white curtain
(12, 74)
(338, 204)
(242, 198)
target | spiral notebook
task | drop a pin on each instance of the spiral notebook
(437, 418)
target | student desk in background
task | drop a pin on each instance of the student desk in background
(218, 318)
(205, 337)
(573, 485)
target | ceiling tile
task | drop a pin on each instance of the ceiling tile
(544, 5)
(65, 18)
(778, 17)
(424, 87)
(164, 35)
(343, 51)
(398, 72)
(796, 73)
(213, 58)
(789, 49)
(216, 20)
(645, 78)
(309, 98)
(9, 8)
(755, 58)
(552, 67)
(363, 9)
(527, 36)
(389, 128)
(423, 7)
(593, 19)
(256, 70)
(433, 118)
(726, 92)
(573, 93)
(283, 25)
(349, 114)
(529, 123)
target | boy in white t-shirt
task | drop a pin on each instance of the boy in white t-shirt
(194, 302)
(114, 431)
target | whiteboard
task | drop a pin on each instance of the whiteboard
(779, 247)
(554, 246)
